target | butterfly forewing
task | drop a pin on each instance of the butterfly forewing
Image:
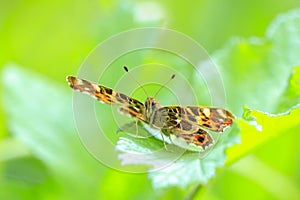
(214, 119)
(106, 95)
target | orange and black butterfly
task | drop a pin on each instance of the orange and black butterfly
(189, 123)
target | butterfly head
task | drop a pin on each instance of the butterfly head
(151, 105)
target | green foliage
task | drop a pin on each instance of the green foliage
(41, 157)
(260, 66)
(174, 167)
(258, 128)
(44, 123)
(265, 81)
(291, 94)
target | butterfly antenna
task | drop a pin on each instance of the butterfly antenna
(126, 69)
(172, 77)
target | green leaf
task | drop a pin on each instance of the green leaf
(291, 95)
(174, 167)
(265, 127)
(39, 114)
(255, 70)
(12, 148)
(258, 127)
(284, 35)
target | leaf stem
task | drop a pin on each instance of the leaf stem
(192, 194)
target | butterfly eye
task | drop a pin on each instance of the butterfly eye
(152, 104)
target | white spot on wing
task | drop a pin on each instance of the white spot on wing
(206, 112)
(221, 113)
(78, 81)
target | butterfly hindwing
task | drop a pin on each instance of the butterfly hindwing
(197, 137)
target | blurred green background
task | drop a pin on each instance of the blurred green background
(52, 38)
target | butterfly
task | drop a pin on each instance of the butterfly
(188, 123)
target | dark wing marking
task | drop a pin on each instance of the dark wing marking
(198, 137)
(106, 95)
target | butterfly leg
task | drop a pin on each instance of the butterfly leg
(163, 139)
(136, 127)
(168, 132)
